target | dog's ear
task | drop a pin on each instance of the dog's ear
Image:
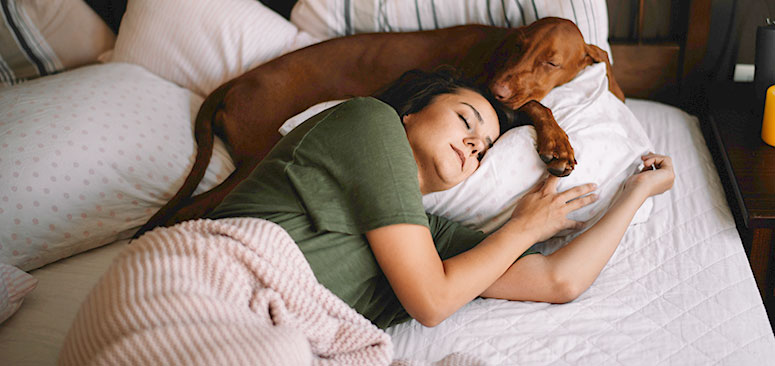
(594, 54)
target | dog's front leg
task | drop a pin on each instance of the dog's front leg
(553, 145)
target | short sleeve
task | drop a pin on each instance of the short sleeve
(354, 171)
(451, 238)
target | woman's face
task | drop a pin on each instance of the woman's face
(449, 136)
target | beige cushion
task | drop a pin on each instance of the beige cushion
(200, 44)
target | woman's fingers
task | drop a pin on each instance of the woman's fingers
(656, 177)
(657, 161)
(550, 186)
(581, 202)
(577, 192)
(575, 225)
(539, 185)
(547, 184)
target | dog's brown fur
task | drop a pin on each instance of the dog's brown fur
(519, 65)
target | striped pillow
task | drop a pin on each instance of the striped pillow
(42, 37)
(334, 18)
(14, 285)
(24, 54)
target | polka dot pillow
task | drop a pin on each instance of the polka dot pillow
(607, 139)
(88, 155)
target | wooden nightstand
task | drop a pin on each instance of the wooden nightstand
(746, 165)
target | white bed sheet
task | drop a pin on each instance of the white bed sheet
(34, 335)
(678, 290)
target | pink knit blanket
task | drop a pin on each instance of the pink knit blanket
(225, 292)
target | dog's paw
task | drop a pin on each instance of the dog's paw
(558, 154)
(560, 168)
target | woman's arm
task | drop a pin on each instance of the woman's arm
(431, 289)
(573, 268)
(565, 274)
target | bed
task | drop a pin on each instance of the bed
(678, 290)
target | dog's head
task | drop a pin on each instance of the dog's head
(533, 59)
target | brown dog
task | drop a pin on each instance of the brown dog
(519, 65)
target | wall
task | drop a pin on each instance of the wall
(733, 34)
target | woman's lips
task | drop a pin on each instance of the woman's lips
(460, 155)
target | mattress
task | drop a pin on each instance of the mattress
(678, 290)
(34, 335)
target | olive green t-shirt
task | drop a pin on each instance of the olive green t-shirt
(343, 172)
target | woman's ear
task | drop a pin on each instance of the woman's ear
(407, 118)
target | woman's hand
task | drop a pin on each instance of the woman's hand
(543, 211)
(652, 181)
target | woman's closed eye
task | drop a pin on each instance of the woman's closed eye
(465, 121)
(480, 155)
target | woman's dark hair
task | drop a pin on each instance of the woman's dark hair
(415, 89)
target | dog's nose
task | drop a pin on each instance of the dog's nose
(500, 91)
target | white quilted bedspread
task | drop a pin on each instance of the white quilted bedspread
(678, 290)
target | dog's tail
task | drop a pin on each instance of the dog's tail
(204, 136)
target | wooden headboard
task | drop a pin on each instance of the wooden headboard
(661, 69)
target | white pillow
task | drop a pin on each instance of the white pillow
(88, 155)
(15, 284)
(326, 19)
(200, 44)
(298, 119)
(607, 140)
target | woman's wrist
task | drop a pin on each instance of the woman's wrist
(518, 232)
(635, 193)
(638, 187)
(518, 236)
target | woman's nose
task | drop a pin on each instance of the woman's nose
(475, 145)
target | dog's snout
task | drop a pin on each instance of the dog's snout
(500, 91)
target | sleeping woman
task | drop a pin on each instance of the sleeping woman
(347, 186)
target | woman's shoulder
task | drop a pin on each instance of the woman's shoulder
(360, 117)
(369, 102)
(368, 106)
